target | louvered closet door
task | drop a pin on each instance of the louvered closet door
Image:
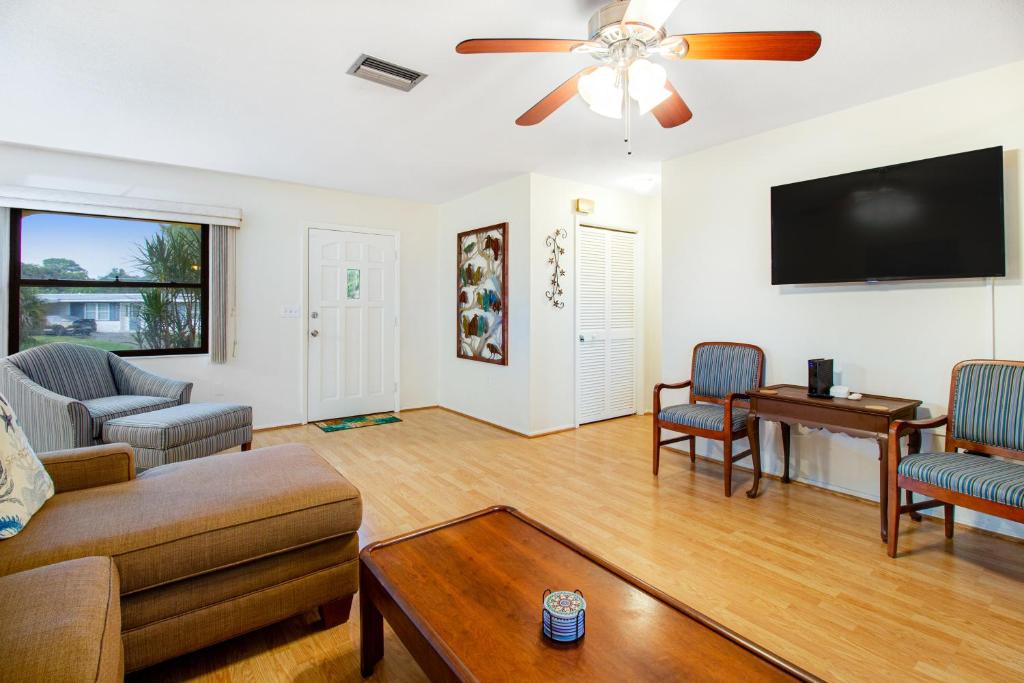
(605, 324)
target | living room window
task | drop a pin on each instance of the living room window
(131, 286)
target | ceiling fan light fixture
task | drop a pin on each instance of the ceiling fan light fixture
(600, 90)
(647, 84)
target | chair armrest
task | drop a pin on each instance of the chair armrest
(738, 396)
(729, 401)
(658, 388)
(86, 468)
(897, 430)
(678, 385)
(901, 427)
(51, 421)
(131, 380)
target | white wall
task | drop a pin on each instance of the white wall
(499, 394)
(552, 200)
(896, 339)
(535, 392)
(268, 370)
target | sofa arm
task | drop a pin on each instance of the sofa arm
(131, 380)
(51, 421)
(86, 468)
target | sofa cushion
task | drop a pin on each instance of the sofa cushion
(101, 410)
(176, 426)
(1000, 481)
(24, 482)
(185, 519)
(709, 416)
(72, 370)
(62, 622)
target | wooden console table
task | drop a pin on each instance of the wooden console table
(868, 418)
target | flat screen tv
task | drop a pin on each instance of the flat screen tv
(936, 218)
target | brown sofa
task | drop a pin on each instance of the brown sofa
(204, 550)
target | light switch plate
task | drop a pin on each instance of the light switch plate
(291, 312)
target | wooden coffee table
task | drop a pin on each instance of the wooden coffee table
(464, 598)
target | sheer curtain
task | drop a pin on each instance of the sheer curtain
(222, 293)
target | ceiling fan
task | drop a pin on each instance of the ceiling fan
(624, 35)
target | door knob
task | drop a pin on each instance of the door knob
(582, 339)
(314, 333)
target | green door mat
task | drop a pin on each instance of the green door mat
(340, 423)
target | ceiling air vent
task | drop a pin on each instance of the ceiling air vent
(386, 73)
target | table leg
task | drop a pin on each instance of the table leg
(754, 437)
(883, 483)
(371, 628)
(785, 452)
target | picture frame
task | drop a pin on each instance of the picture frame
(481, 294)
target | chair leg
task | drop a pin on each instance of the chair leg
(893, 519)
(657, 447)
(916, 516)
(727, 463)
(693, 450)
(949, 520)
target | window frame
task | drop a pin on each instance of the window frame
(16, 282)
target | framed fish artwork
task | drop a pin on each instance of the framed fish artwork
(481, 283)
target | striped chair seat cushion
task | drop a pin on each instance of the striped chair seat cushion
(708, 416)
(112, 407)
(992, 479)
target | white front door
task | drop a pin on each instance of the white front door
(352, 323)
(606, 352)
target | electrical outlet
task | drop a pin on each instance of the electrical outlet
(291, 312)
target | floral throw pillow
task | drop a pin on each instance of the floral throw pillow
(24, 482)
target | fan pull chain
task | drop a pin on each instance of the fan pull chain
(628, 115)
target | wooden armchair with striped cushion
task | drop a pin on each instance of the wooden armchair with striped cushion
(721, 375)
(986, 422)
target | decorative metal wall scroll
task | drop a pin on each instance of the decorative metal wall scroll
(554, 294)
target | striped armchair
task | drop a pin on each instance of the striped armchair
(979, 466)
(63, 393)
(721, 375)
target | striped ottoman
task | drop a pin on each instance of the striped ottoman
(184, 432)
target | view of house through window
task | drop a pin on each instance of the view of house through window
(135, 287)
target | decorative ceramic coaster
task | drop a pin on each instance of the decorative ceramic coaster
(564, 605)
(563, 615)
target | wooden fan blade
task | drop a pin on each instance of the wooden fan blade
(553, 101)
(492, 45)
(784, 46)
(673, 111)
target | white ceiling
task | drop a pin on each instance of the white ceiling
(259, 87)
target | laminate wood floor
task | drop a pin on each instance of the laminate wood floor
(799, 570)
